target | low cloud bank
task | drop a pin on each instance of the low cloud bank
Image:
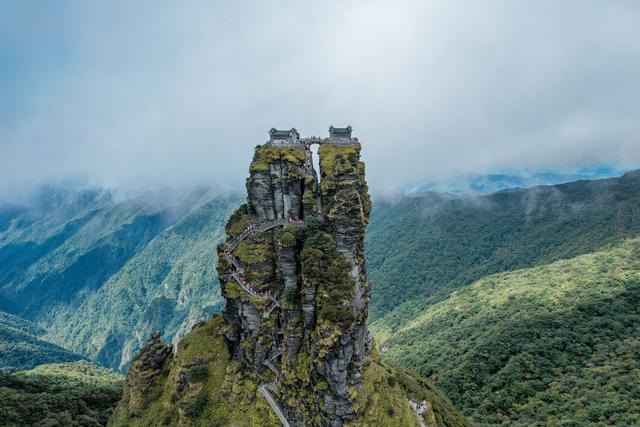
(160, 94)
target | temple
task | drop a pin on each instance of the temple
(340, 132)
(291, 137)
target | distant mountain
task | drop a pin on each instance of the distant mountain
(22, 345)
(100, 273)
(491, 183)
(421, 248)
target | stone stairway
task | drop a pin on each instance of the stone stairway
(276, 354)
(264, 387)
(272, 307)
(237, 275)
(276, 382)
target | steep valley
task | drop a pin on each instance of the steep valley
(99, 273)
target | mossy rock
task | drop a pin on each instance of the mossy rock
(265, 155)
(224, 396)
(200, 386)
(203, 387)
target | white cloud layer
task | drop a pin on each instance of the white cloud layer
(131, 94)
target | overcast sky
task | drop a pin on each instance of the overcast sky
(130, 94)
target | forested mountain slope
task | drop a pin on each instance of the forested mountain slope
(420, 249)
(557, 344)
(100, 273)
(65, 394)
(22, 346)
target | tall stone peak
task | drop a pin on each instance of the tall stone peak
(294, 277)
(291, 347)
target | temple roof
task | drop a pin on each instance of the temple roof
(340, 132)
(280, 135)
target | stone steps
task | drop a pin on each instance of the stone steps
(274, 405)
(259, 228)
(254, 228)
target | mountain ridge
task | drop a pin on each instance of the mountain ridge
(434, 244)
(23, 345)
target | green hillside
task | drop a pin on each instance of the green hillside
(101, 273)
(22, 346)
(557, 344)
(420, 249)
(69, 394)
(201, 386)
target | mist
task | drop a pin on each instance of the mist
(155, 93)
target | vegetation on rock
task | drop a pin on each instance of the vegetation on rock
(292, 342)
(221, 393)
(326, 270)
(267, 155)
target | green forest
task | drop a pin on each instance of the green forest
(421, 248)
(558, 343)
(22, 346)
(71, 394)
(522, 305)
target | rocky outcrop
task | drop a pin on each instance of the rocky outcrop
(312, 321)
(145, 371)
(202, 385)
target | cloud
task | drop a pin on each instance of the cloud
(162, 93)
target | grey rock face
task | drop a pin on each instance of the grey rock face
(278, 193)
(261, 196)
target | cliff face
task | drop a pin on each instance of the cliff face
(309, 317)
